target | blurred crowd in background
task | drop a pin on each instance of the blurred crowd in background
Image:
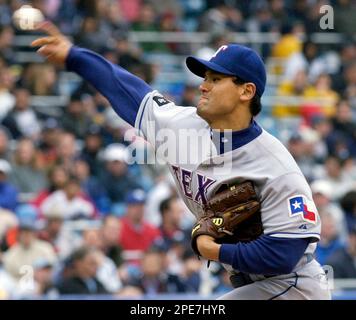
(76, 218)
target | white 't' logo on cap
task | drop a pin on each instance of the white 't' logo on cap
(220, 49)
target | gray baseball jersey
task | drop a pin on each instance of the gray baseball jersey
(185, 141)
(202, 160)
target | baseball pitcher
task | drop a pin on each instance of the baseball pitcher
(254, 208)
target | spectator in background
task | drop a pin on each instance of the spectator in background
(167, 22)
(154, 278)
(279, 11)
(350, 81)
(329, 238)
(8, 288)
(172, 212)
(175, 255)
(110, 231)
(4, 144)
(114, 19)
(167, 6)
(323, 195)
(348, 204)
(258, 15)
(136, 234)
(126, 54)
(143, 70)
(313, 14)
(350, 169)
(8, 221)
(92, 35)
(302, 60)
(147, 22)
(93, 143)
(66, 150)
(91, 8)
(114, 128)
(27, 250)
(298, 148)
(334, 174)
(8, 192)
(7, 99)
(42, 80)
(6, 41)
(91, 186)
(116, 177)
(289, 43)
(83, 279)
(62, 239)
(162, 189)
(222, 18)
(189, 13)
(57, 178)
(323, 128)
(144, 167)
(75, 120)
(224, 284)
(51, 230)
(48, 143)
(68, 16)
(90, 107)
(345, 127)
(24, 213)
(191, 270)
(347, 54)
(107, 272)
(294, 88)
(261, 20)
(26, 174)
(345, 16)
(43, 270)
(22, 121)
(189, 96)
(70, 203)
(343, 260)
(130, 9)
(321, 99)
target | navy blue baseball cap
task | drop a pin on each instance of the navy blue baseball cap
(234, 60)
(137, 196)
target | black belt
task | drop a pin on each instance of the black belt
(242, 279)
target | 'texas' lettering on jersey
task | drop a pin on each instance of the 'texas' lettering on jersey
(184, 178)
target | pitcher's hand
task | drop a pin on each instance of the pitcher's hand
(55, 47)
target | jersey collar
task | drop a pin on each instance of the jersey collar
(231, 140)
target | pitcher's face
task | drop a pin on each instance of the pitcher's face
(219, 96)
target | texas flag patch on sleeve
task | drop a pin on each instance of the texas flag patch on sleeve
(301, 206)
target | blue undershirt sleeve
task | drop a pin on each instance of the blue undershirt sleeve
(124, 90)
(267, 255)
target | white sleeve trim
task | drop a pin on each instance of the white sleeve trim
(141, 111)
(291, 235)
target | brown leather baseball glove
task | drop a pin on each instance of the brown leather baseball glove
(232, 216)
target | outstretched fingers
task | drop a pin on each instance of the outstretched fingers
(45, 51)
(51, 30)
(43, 41)
(55, 46)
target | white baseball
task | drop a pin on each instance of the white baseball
(27, 17)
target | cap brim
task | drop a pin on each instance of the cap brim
(200, 66)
